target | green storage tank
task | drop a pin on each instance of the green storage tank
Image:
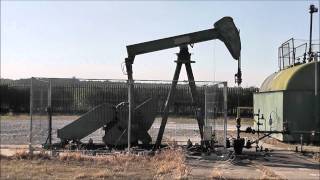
(288, 98)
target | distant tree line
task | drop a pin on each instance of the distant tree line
(14, 99)
(73, 96)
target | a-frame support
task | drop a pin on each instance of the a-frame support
(183, 58)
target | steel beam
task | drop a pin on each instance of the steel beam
(171, 42)
(165, 112)
(194, 95)
(183, 58)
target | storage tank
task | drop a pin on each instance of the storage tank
(288, 98)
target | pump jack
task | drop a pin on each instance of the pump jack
(224, 30)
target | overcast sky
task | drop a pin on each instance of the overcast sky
(88, 39)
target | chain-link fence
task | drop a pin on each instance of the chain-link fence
(30, 126)
(215, 110)
(15, 97)
(85, 100)
(97, 110)
(40, 95)
(184, 110)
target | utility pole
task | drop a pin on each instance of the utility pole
(312, 10)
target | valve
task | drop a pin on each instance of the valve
(237, 76)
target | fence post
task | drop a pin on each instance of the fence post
(316, 76)
(49, 115)
(130, 93)
(31, 109)
(205, 106)
(225, 107)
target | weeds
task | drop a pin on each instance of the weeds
(111, 159)
(268, 174)
(217, 173)
(171, 161)
(168, 163)
(98, 175)
(316, 156)
(23, 154)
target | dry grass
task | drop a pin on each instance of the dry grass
(268, 174)
(167, 164)
(23, 154)
(316, 156)
(217, 173)
(171, 161)
(111, 159)
(102, 174)
(276, 142)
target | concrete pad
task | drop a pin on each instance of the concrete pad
(290, 165)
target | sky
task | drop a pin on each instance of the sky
(88, 39)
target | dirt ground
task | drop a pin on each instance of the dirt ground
(15, 129)
(253, 165)
(280, 162)
(168, 164)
